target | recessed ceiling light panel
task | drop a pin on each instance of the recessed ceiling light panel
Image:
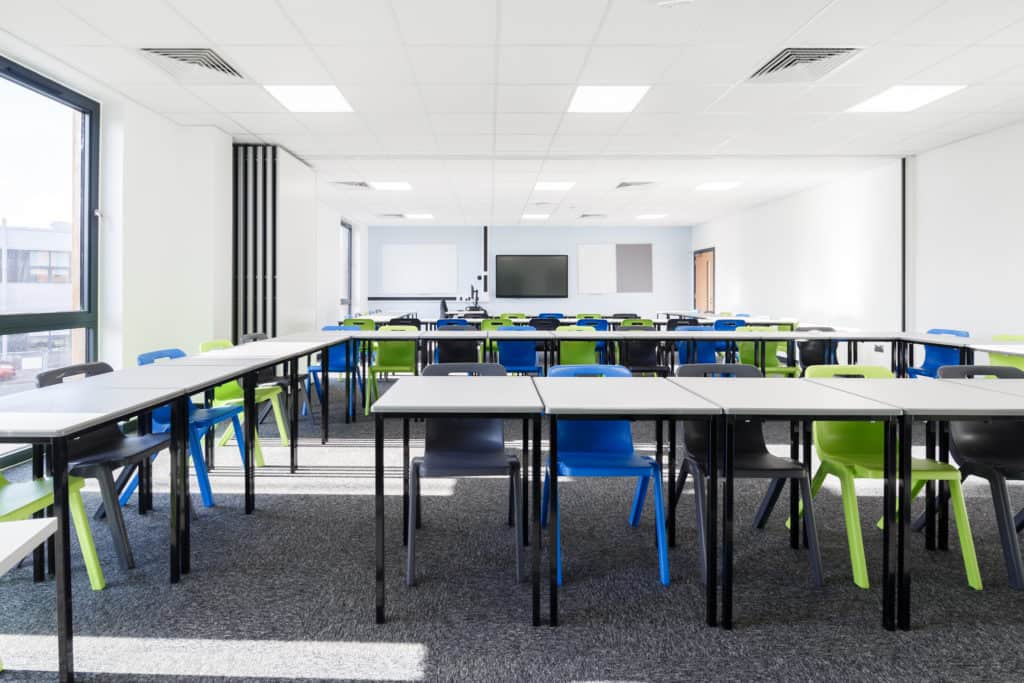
(607, 99)
(904, 98)
(310, 99)
(718, 186)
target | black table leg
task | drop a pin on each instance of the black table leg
(535, 560)
(929, 489)
(716, 427)
(325, 402)
(65, 650)
(526, 482)
(943, 501)
(209, 452)
(293, 426)
(794, 487)
(378, 511)
(179, 460)
(405, 481)
(672, 500)
(39, 554)
(889, 513)
(249, 466)
(185, 508)
(727, 523)
(552, 525)
(808, 440)
(903, 530)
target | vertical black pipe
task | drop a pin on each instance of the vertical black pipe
(484, 288)
(244, 227)
(265, 272)
(253, 240)
(903, 244)
(273, 242)
(234, 245)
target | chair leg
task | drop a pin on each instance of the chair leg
(659, 520)
(129, 488)
(816, 483)
(282, 428)
(115, 520)
(545, 493)
(511, 502)
(699, 508)
(812, 531)
(1007, 532)
(123, 477)
(963, 532)
(915, 491)
(517, 539)
(1018, 520)
(771, 497)
(638, 500)
(81, 521)
(680, 485)
(414, 495)
(854, 538)
(199, 464)
(316, 385)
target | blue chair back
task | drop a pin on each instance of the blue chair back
(161, 415)
(705, 350)
(599, 324)
(451, 322)
(597, 437)
(337, 357)
(742, 315)
(729, 324)
(517, 354)
(551, 315)
(150, 357)
(937, 356)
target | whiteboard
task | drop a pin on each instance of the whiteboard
(595, 269)
(419, 270)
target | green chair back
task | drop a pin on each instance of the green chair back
(850, 442)
(229, 391)
(576, 352)
(364, 324)
(396, 354)
(1003, 358)
(510, 316)
(589, 316)
(637, 322)
(492, 323)
(747, 350)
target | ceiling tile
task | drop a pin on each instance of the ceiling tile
(591, 124)
(462, 124)
(579, 144)
(366, 64)
(618, 65)
(973, 65)
(370, 99)
(540, 64)
(47, 23)
(715, 63)
(527, 124)
(237, 98)
(521, 144)
(961, 22)
(534, 22)
(408, 144)
(216, 120)
(465, 144)
(444, 64)
(753, 97)
(268, 124)
(277, 64)
(855, 23)
(467, 99)
(1011, 35)
(240, 22)
(333, 22)
(534, 98)
(682, 99)
(886, 65)
(115, 65)
(137, 23)
(345, 123)
(399, 123)
(165, 98)
(446, 22)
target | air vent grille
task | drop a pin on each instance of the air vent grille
(803, 63)
(201, 57)
(627, 184)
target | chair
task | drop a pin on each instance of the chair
(545, 324)
(337, 361)
(772, 366)
(643, 357)
(588, 316)
(464, 447)
(937, 356)
(576, 352)
(20, 500)
(555, 316)
(751, 460)
(451, 322)
(512, 316)
(1005, 359)
(391, 356)
(491, 324)
(232, 394)
(637, 322)
(601, 325)
(200, 421)
(727, 325)
(817, 351)
(270, 376)
(700, 352)
(364, 324)
(624, 316)
(518, 356)
(457, 350)
(676, 323)
(404, 320)
(604, 448)
(99, 452)
(854, 450)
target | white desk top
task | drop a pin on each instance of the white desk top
(925, 398)
(618, 396)
(393, 335)
(1013, 387)
(782, 397)
(525, 335)
(469, 335)
(1006, 348)
(460, 394)
(18, 539)
(936, 339)
(185, 375)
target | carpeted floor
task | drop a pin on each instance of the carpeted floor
(287, 593)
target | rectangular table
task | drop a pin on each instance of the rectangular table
(455, 396)
(786, 400)
(626, 398)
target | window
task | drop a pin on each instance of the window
(48, 167)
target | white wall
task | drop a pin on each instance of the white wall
(830, 254)
(966, 239)
(296, 245)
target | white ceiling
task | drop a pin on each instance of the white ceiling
(466, 99)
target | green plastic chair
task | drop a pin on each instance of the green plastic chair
(232, 394)
(491, 346)
(576, 352)
(854, 450)
(20, 500)
(1003, 358)
(391, 356)
(589, 316)
(637, 322)
(510, 316)
(364, 324)
(772, 366)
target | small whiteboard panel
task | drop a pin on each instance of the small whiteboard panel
(595, 269)
(419, 270)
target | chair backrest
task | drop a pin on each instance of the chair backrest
(749, 433)
(729, 324)
(491, 323)
(747, 349)
(598, 437)
(636, 322)
(365, 324)
(58, 375)
(337, 356)
(457, 350)
(551, 315)
(625, 315)
(817, 351)
(461, 434)
(452, 322)
(595, 323)
(399, 353)
(705, 350)
(717, 370)
(937, 356)
(978, 439)
(251, 337)
(545, 324)
(972, 371)
(509, 316)
(160, 354)
(676, 323)
(406, 320)
(214, 345)
(517, 354)
(742, 315)
(839, 437)
(588, 316)
(1005, 358)
(232, 389)
(576, 352)
(638, 353)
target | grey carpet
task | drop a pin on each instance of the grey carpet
(280, 594)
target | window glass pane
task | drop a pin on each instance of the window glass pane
(41, 165)
(23, 356)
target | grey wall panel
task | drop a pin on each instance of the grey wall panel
(633, 271)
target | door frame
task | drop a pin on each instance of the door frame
(714, 275)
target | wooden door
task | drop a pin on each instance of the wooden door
(704, 280)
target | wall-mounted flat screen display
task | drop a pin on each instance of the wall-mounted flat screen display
(532, 276)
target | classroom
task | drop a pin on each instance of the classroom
(316, 315)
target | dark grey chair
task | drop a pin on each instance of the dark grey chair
(993, 451)
(751, 461)
(817, 351)
(96, 454)
(643, 357)
(464, 447)
(414, 322)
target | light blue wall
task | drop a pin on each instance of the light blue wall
(672, 265)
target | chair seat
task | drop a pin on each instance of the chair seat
(20, 499)
(264, 392)
(758, 465)
(393, 368)
(317, 369)
(204, 417)
(871, 467)
(923, 371)
(572, 464)
(465, 464)
(117, 453)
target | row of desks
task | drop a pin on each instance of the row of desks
(723, 403)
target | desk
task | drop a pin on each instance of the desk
(795, 400)
(18, 538)
(1004, 348)
(455, 396)
(624, 398)
(935, 402)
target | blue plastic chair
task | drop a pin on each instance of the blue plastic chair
(449, 322)
(337, 361)
(742, 315)
(551, 315)
(519, 356)
(705, 350)
(200, 421)
(601, 325)
(604, 448)
(937, 356)
(727, 325)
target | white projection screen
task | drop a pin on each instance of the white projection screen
(419, 270)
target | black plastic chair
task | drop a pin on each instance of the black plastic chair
(464, 447)
(414, 322)
(676, 323)
(752, 460)
(545, 324)
(270, 376)
(98, 453)
(993, 451)
(643, 357)
(817, 351)
(625, 315)
(458, 350)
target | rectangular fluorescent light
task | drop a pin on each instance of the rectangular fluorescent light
(903, 98)
(606, 99)
(390, 185)
(717, 186)
(419, 216)
(310, 99)
(554, 185)
(651, 216)
(536, 216)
